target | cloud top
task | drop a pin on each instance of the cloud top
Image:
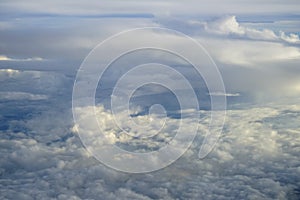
(229, 25)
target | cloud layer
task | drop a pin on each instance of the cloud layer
(256, 157)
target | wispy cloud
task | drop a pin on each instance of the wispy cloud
(6, 58)
(224, 94)
(21, 96)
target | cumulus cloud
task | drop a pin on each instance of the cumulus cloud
(291, 38)
(254, 59)
(248, 158)
(42, 157)
(230, 26)
(225, 25)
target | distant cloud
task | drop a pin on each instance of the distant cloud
(30, 85)
(225, 25)
(21, 96)
(226, 94)
(8, 71)
(291, 38)
(229, 25)
(6, 58)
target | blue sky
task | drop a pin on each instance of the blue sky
(255, 46)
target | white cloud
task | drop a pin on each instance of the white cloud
(226, 25)
(9, 72)
(229, 25)
(256, 54)
(291, 38)
(5, 58)
(254, 60)
(248, 150)
(253, 146)
(256, 142)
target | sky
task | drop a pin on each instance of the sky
(150, 99)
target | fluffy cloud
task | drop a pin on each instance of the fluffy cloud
(225, 25)
(248, 158)
(233, 43)
(42, 157)
(291, 38)
(230, 26)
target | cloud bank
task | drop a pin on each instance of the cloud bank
(42, 157)
(229, 26)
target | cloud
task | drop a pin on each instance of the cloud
(9, 71)
(225, 25)
(21, 96)
(20, 83)
(61, 45)
(228, 25)
(226, 94)
(256, 58)
(253, 145)
(291, 38)
(257, 156)
(246, 54)
(167, 7)
(5, 58)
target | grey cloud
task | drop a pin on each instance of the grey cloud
(61, 43)
(21, 95)
(158, 8)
